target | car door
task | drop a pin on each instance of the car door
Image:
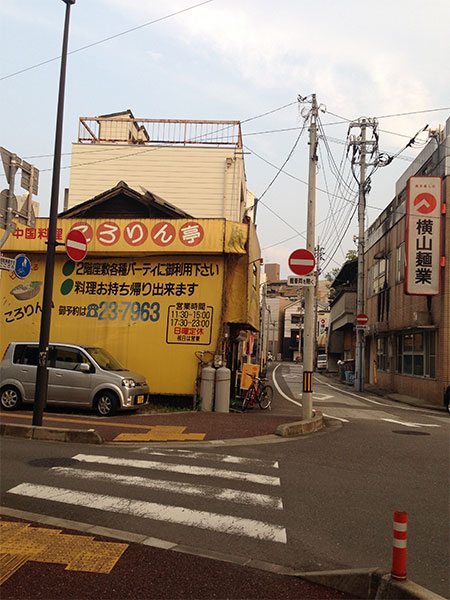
(66, 383)
(25, 363)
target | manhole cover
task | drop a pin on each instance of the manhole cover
(53, 462)
(410, 432)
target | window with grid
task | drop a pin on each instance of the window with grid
(416, 354)
(382, 345)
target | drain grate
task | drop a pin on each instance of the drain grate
(403, 432)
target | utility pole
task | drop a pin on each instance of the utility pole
(361, 148)
(40, 399)
(309, 326)
(318, 252)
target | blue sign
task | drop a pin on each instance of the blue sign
(23, 266)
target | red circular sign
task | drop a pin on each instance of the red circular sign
(84, 228)
(302, 262)
(135, 233)
(362, 319)
(425, 203)
(76, 245)
(191, 233)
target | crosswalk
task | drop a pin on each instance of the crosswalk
(220, 493)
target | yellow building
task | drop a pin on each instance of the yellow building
(153, 292)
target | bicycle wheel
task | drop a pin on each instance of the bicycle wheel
(265, 397)
(247, 397)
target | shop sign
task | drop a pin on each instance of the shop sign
(423, 235)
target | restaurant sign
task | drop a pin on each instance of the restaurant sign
(423, 235)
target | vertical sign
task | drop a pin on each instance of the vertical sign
(423, 235)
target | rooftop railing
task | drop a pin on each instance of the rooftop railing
(124, 130)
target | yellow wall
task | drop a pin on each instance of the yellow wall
(151, 306)
(152, 313)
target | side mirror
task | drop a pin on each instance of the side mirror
(85, 368)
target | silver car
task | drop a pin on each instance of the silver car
(78, 376)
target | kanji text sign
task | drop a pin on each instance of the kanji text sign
(423, 235)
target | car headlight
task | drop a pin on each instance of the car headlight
(129, 383)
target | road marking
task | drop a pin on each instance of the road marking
(151, 510)
(226, 458)
(21, 543)
(176, 468)
(411, 424)
(177, 487)
(280, 391)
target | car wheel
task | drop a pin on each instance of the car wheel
(11, 398)
(106, 404)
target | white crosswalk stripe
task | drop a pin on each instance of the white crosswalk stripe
(175, 482)
(153, 510)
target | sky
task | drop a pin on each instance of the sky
(246, 60)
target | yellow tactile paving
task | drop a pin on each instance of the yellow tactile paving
(21, 542)
(160, 433)
(9, 564)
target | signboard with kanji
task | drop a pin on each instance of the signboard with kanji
(423, 235)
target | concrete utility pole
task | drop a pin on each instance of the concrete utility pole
(363, 145)
(309, 325)
(319, 254)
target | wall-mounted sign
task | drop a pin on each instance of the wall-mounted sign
(423, 235)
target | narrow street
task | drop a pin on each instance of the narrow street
(318, 502)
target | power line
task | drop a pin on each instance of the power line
(107, 39)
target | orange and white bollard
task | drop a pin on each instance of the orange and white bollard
(398, 571)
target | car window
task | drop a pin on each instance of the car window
(105, 360)
(67, 358)
(26, 355)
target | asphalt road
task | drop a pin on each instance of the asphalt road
(325, 501)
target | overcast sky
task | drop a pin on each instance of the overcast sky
(236, 60)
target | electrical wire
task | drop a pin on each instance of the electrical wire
(107, 39)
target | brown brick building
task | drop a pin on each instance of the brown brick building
(408, 343)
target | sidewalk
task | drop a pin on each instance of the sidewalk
(136, 571)
(382, 393)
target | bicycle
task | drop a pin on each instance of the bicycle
(258, 392)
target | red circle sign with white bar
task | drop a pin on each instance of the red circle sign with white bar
(76, 245)
(362, 319)
(302, 262)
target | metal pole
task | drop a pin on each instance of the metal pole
(359, 354)
(40, 398)
(308, 347)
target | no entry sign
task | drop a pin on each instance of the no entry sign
(362, 319)
(76, 245)
(302, 262)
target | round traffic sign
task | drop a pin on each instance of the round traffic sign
(302, 262)
(76, 245)
(22, 266)
(362, 319)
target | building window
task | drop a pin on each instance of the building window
(378, 276)
(295, 319)
(400, 263)
(382, 345)
(416, 354)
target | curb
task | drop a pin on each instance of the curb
(300, 427)
(54, 434)
(373, 584)
(370, 584)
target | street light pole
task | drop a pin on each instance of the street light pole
(40, 398)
